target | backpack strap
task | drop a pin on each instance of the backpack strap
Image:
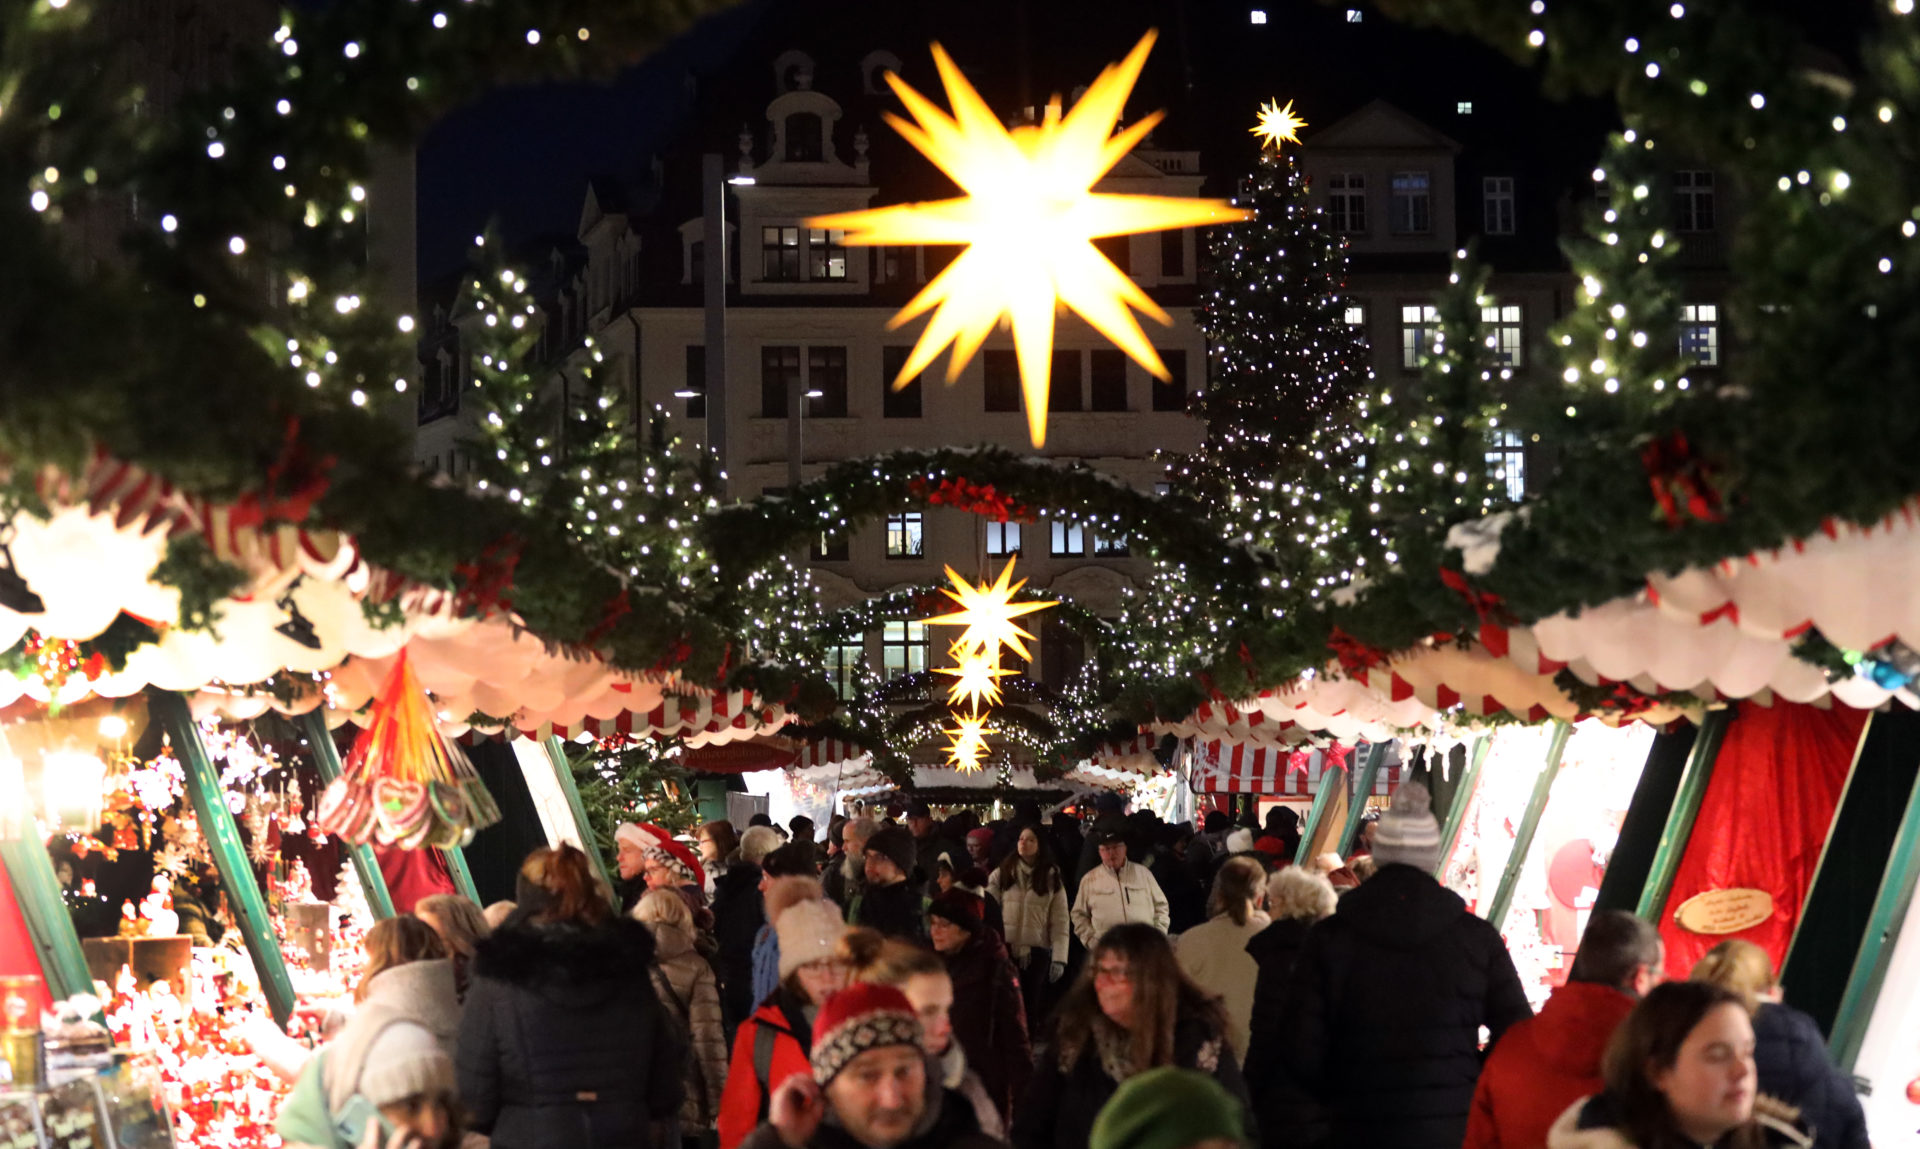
(764, 1039)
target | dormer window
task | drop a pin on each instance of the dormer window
(805, 138)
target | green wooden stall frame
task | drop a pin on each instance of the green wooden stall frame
(1321, 799)
(1529, 823)
(1462, 799)
(63, 963)
(1686, 807)
(1890, 908)
(327, 756)
(462, 876)
(557, 754)
(229, 855)
(1362, 786)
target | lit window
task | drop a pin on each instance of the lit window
(905, 536)
(1069, 539)
(1003, 539)
(1418, 325)
(1463, 107)
(1496, 195)
(1693, 201)
(843, 665)
(1505, 333)
(780, 254)
(1258, 15)
(1507, 462)
(1412, 207)
(1110, 547)
(1700, 333)
(1347, 202)
(1355, 314)
(1353, 15)
(903, 648)
(826, 253)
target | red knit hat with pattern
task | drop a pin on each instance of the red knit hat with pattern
(860, 1017)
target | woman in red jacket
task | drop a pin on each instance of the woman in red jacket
(774, 1043)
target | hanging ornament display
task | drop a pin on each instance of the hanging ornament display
(404, 784)
(1028, 219)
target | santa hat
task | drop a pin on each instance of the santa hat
(657, 844)
(861, 1017)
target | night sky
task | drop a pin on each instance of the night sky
(523, 156)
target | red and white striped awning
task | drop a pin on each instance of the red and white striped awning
(1135, 755)
(703, 720)
(827, 752)
(1244, 768)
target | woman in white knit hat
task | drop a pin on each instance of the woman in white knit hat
(774, 1043)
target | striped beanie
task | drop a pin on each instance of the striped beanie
(1408, 833)
(861, 1017)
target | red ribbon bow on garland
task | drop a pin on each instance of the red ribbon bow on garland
(611, 612)
(1493, 616)
(484, 583)
(1335, 754)
(1355, 656)
(1680, 480)
(974, 497)
(295, 481)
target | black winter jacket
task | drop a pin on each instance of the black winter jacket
(898, 911)
(563, 1044)
(1289, 1116)
(1796, 1068)
(1061, 1103)
(990, 1018)
(738, 915)
(1384, 1009)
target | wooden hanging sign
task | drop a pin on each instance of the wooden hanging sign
(1724, 911)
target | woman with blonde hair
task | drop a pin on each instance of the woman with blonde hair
(921, 974)
(392, 1063)
(1789, 1052)
(1215, 954)
(686, 984)
(1131, 1010)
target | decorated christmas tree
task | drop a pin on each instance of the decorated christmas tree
(1288, 373)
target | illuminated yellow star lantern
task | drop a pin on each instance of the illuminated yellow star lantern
(1278, 124)
(976, 678)
(988, 612)
(969, 736)
(1028, 221)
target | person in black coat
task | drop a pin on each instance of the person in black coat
(1795, 1067)
(1386, 1001)
(738, 914)
(1289, 1117)
(563, 1043)
(891, 905)
(1133, 1010)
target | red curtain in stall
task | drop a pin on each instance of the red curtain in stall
(1764, 819)
(18, 958)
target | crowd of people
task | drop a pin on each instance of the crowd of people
(1031, 983)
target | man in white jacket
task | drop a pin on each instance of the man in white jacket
(1117, 891)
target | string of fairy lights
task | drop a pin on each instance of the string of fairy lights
(1322, 499)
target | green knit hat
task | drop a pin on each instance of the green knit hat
(1167, 1108)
